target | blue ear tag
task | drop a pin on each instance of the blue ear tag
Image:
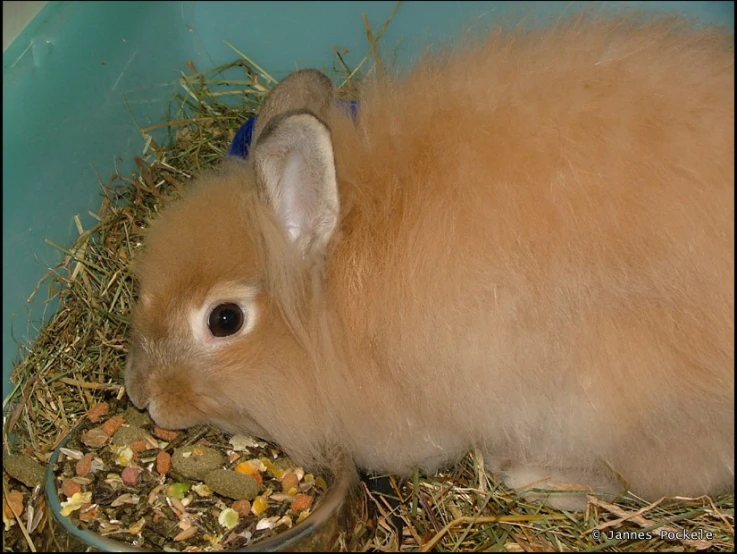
(242, 141)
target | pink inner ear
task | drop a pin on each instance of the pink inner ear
(297, 170)
(294, 202)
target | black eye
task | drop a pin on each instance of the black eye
(225, 320)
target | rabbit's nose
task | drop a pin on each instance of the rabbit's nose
(138, 400)
(137, 393)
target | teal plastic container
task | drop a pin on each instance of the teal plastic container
(82, 78)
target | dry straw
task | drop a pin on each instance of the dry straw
(78, 358)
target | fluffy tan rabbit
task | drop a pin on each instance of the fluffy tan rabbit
(524, 246)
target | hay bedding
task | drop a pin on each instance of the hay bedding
(74, 369)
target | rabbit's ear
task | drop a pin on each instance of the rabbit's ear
(295, 169)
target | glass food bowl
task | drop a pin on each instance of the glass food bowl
(316, 533)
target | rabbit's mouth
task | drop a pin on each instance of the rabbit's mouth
(177, 414)
(172, 411)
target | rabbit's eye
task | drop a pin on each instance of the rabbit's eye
(225, 320)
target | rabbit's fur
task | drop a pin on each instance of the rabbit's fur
(528, 249)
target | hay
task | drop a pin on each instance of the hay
(467, 510)
(79, 355)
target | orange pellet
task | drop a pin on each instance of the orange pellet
(165, 434)
(301, 502)
(163, 463)
(112, 425)
(139, 446)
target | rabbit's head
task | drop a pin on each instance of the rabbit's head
(223, 280)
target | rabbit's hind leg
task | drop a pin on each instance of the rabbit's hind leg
(560, 489)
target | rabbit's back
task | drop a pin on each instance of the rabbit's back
(539, 229)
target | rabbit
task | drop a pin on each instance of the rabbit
(522, 246)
